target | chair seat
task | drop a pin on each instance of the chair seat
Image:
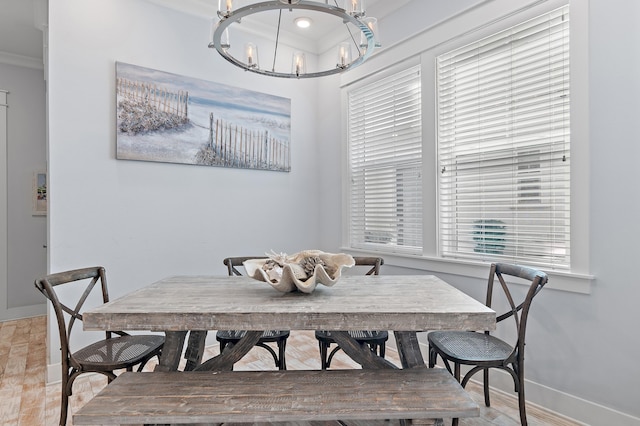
(118, 352)
(267, 335)
(362, 336)
(467, 347)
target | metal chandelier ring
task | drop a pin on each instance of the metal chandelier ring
(237, 15)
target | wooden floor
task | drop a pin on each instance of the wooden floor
(26, 400)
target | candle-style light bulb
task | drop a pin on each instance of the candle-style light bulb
(298, 64)
(251, 55)
(355, 8)
(344, 55)
(225, 7)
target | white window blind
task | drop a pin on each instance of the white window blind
(503, 145)
(385, 153)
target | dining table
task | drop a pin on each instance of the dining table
(178, 305)
(192, 305)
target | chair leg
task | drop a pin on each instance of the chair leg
(68, 377)
(323, 354)
(282, 363)
(64, 405)
(485, 381)
(456, 374)
(522, 403)
(382, 349)
(432, 357)
(331, 354)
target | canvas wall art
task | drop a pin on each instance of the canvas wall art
(39, 194)
(171, 118)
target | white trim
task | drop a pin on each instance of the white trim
(22, 312)
(54, 373)
(480, 20)
(552, 400)
(21, 61)
(564, 281)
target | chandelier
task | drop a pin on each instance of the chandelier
(360, 33)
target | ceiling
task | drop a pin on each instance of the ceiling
(325, 32)
(21, 22)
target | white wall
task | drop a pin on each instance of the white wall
(582, 349)
(142, 220)
(25, 155)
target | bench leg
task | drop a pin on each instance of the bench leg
(435, 422)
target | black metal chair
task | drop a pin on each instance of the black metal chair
(105, 356)
(376, 340)
(231, 337)
(483, 351)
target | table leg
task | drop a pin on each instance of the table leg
(360, 354)
(231, 355)
(171, 351)
(409, 349)
(411, 357)
(195, 349)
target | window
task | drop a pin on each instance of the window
(385, 158)
(503, 143)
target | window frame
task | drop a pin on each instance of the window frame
(479, 22)
(516, 202)
(348, 202)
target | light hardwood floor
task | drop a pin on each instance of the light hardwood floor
(26, 400)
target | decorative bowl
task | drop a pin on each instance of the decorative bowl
(302, 271)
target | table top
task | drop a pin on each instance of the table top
(383, 302)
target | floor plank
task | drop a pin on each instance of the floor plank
(26, 400)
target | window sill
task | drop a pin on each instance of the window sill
(558, 280)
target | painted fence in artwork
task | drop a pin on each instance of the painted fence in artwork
(235, 146)
(161, 98)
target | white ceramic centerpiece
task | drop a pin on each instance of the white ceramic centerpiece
(299, 272)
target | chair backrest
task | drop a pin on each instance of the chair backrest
(233, 262)
(519, 312)
(46, 285)
(374, 262)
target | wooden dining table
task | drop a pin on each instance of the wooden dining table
(404, 304)
(192, 305)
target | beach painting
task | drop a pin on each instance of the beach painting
(170, 118)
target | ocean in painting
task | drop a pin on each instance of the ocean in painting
(171, 118)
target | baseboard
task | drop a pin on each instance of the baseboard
(557, 402)
(564, 404)
(22, 312)
(54, 373)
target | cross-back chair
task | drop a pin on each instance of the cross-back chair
(231, 337)
(376, 340)
(483, 351)
(122, 351)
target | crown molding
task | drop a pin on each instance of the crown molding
(21, 61)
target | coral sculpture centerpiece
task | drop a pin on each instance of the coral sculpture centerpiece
(302, 271)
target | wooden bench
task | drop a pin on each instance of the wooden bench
(277, 396)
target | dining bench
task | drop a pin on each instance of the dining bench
(278, 396)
